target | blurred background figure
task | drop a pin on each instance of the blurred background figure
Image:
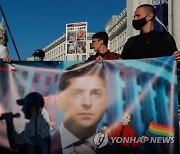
(4, 56)
(38, 55)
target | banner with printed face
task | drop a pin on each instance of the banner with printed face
(125, 106)
(76, 38)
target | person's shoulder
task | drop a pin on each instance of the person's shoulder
(92, 57)
(164, 33)
(131, 39)
(167, 36)
(112, 55)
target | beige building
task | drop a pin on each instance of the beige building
(56, 51)
(174, 19)
(116, 28)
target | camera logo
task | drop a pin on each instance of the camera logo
(101, 140)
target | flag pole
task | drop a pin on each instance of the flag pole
(10, 33)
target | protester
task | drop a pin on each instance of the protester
(149, 43)
(99, 44)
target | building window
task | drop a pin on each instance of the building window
(21, 90)
(56, 78)
(24, 75)
(36, 77)
(48, 81)
(84, 57)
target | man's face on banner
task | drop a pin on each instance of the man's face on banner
(84, 101)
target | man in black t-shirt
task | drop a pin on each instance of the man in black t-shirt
(149, 43)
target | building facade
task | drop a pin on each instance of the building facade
(116, 28)
(56, 51)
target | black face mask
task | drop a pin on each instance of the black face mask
(138, 24)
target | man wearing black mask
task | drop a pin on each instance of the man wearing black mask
(149, 43)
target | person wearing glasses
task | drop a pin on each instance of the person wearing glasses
(99, 44)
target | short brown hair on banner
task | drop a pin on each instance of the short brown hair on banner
(79, 70)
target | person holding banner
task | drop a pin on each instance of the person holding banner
(6, 59)
(99, 44)
(149, 43)
(83, 106)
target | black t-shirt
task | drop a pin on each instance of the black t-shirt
(149, 45)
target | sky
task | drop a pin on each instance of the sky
(34, 24)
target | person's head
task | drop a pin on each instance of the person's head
(82, 96)
(127, 118)
(39, 54)
(31, 104)
(104, 128)
(71, 48)
(99, 40)
(144, 14)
